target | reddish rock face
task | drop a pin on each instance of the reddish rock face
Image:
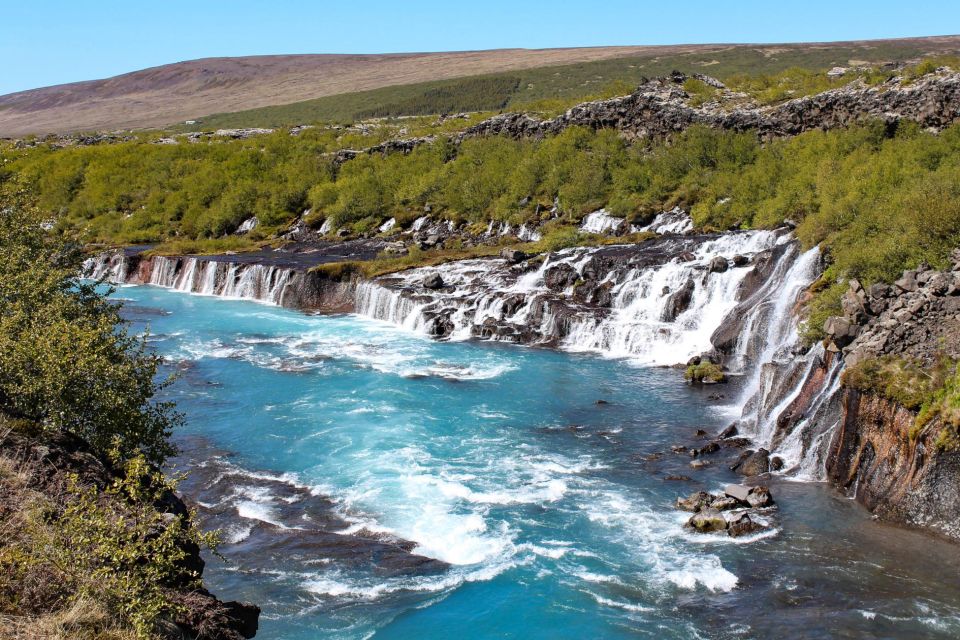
(898, 478)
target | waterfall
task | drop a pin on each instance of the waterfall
(612, 300)
(262, 283)
(602, 222)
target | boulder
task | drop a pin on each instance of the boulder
(678, 301)
(908, 282)
(719, 264)
(729, 432)
(754, 464)
(759, 497)
(725, 503)
(560, 277)
(707, 521)
(737, 492)
(699, 464)
(513, 256)
(744, 525)
(706, 449)
(433, 281)
(695, 501)
(740, 261)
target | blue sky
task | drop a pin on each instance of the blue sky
(44, 42)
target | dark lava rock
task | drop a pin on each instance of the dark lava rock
(678, 302)
(699, 433)
(754, 464)
(559, 277)
(678, 448)
(718, 265)
(744, 525)
(707, 449)
(729, 432)
(707, 520)
(433, 281)
(513, 256)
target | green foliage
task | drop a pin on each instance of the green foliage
(67, 362)
(478, 93)
(902, 380)
(700, 92)
(705, 371)
(110, 546)
(944, 405)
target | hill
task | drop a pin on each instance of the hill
(286, 89)
(171, 93)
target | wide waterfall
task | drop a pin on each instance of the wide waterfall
(263, 283)
(659, 303)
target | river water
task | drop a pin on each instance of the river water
(370, 482)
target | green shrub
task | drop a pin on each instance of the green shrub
(112, 547)
(705, 372)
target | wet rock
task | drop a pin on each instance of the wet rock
(759, 497)
(695, 501)
(677, 478)
(707, 520)
(513, 256)
(699, 464)
(719, 264)
(559, 277)
(678, 302)
(737, 492)
(707, 449)
(729, 432)
(740, 261)
(744, 525)
(699, 433)
(754, 464)
(725, 503)
(776, 463)
(678, 448)
(433, 281)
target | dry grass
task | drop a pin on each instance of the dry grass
(84, 620)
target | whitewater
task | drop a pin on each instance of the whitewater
(372, 482)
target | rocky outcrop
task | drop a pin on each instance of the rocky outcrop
(901, 478)
(916, 317)
(661, 107)
(48, 468)
(739, 511)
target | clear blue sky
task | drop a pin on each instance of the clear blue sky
(44, 42)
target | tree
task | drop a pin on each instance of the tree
(67, 360)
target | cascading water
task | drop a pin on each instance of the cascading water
(258, 282)
(492, 299)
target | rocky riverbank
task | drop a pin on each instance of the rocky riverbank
(47, 470)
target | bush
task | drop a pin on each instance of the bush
(67, 362)
(705, 372)
(111, 547)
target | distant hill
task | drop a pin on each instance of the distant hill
(287, 89)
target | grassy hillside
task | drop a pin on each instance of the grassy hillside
(556, 87)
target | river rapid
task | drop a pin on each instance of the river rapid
(372, 482)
